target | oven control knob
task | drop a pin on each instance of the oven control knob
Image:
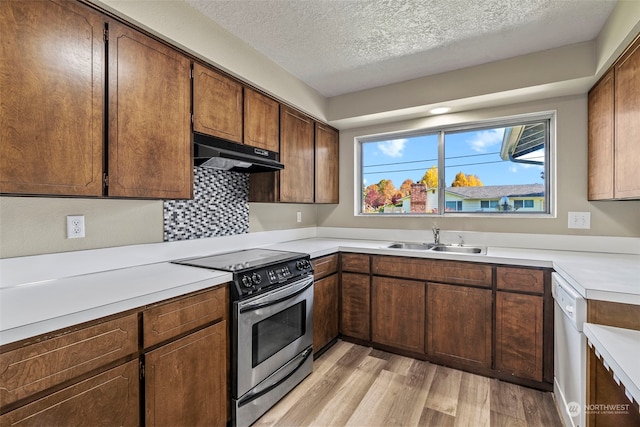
(300, 265)
(246, 281)
(256, 278)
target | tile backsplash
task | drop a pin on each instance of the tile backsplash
(220, 207)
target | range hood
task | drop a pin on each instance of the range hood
(215, 153)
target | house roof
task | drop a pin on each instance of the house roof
(498, 191)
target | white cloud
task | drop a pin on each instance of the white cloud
(513, 169)
(485, 139)
(392, 148)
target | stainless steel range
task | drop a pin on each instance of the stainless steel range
(271, 331)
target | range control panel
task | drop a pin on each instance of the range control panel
(261, 279)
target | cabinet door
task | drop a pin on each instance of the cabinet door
(261, 121)
(52, 109)
(297, 154)
(325, 311)
(186, 380)
(327, 164)
(600, 170)
(519, 345)
(107, 399)
(355, 314)
(398, 313)
(149, 117)
(459, 324)
(627, 122)
(217, 104)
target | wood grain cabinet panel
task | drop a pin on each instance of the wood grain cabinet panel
(52, 110)
(186, 380)
(356, 263)
(601, 137)
(42, 365)
(325, 266)
(519, 335)
(169, 320)
(327, 165)
(326, 312)
(217, 104)
(520, 279)
(149, 117)
(355, 299)
(627, 124)
(107, 399)
(297, 155)
(398, 313)
(261, 121)
(459, 324)
(464, 273)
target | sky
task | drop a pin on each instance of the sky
(472, 152)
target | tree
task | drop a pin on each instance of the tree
(463, 180)
(430, 178)
(405, 188)
(373, 197)
(387, 189)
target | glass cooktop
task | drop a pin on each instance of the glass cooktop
(241, 260)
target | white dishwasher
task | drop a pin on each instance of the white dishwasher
(570, 357)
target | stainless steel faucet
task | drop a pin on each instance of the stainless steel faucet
(436, 235)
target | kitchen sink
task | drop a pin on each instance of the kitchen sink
(415, 246)
(459, 249)
(480, 250)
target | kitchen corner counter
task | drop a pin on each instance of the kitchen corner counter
(619, 349)
(41, 307)
(601, 276)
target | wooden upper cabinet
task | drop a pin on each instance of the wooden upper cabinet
(297, 154)
(217, 104)
(149, 111)
(52, 109)
(327, 164)
(614, 125)
(627, 124)
(601, 136)
(261, 121)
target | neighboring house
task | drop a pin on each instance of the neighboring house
(521, 198)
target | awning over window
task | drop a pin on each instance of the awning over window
(524, 144)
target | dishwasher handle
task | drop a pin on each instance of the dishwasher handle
(572, 304)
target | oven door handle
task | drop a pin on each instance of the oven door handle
(290, 291)
(278, 377)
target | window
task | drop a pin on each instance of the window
(492, 168)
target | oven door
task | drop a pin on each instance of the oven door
(270, 330)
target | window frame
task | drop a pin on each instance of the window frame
(550, 171)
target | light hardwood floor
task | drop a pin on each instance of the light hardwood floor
(353, 385)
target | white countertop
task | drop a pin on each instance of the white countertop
(619, 349)
(40, 294)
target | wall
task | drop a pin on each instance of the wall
(612, 218)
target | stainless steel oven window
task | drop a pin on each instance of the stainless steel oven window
(278, 331)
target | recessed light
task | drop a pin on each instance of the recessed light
(439, 110)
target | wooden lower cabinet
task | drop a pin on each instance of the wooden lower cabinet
(185, 380)
(107, 399)
(355, 297)
(325, 311)
(519, 335)
(459, 324)
(398, 313)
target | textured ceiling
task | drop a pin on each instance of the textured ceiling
(342, 46)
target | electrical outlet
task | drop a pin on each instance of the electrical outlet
(580, 220)
(299, 216)
(75, 226)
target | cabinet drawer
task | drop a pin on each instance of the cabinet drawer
(356, 263)
(462, 273)
(37, 367)
(520, 279)
(325, 266)
(107, 398)
(169, 320)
